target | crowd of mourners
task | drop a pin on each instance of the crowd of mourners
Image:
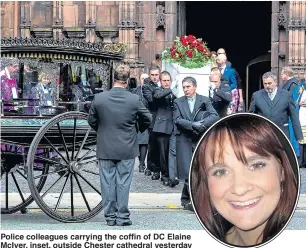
(178, 122)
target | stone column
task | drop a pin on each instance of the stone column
(296, 36)
(279, 37)
(171, 22)
(25, 19)
(58, 20)
(90, 21)
(127, 26)
(181, 18)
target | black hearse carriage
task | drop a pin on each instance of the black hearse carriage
(48, 150)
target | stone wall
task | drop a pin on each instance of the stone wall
(146, 27)
(288, 38)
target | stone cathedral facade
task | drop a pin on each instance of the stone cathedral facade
(147, 28)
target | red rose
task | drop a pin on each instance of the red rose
(191, 38)
(200, 48)
(194, 44)
(182, 37)
(173, 52)
(189, 54)
(199, 42)
(184, 41)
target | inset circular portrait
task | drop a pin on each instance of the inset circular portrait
(244, 180)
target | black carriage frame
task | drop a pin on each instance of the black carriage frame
(95, 56)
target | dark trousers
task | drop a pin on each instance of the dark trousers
(115, 180)
(172, 157)
(143, 149)
(185, 197)
(153, 154)
(163, 150)
(302, 157)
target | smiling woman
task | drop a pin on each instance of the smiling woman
(244, 180)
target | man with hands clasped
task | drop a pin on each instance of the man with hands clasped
(219, 94)
(193, 114)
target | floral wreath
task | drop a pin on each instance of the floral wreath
(188, 52)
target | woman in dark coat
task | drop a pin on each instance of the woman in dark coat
(143, 138)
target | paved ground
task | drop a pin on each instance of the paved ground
(149, 210)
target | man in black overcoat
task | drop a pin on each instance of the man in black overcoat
(193, 114)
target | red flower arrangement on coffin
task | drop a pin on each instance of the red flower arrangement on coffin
(188, 52)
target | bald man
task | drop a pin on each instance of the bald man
(222, 51)
(219, 94)
(227, 72)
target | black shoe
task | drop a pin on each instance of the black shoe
(188, 206)
(141, 168)
(156, 176)
(173, 182)
(147, 172)
(111, 222)
(128, 223)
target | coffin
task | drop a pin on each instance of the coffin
(178, 73)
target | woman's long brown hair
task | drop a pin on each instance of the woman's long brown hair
(261, 137)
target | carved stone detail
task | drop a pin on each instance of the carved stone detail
(90, 24)
(160, 18)
(58, 24)
(107, 32)
(139, 32)
(42, 32)
(77, 45)
(127, 24)
(282, 16)
(77, 33)
(297, 24)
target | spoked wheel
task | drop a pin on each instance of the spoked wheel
(72, 192)
(15, 192)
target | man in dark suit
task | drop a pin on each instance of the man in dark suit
(163, 125)
(290, 82)
(113, 115)
(220, 94)
(276, 105)
(148, 91)
(193, 114)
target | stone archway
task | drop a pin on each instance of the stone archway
(224, 25)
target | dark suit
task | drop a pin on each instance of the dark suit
(221, 98)
(186, 140)
(148, 91)
(163, 127)
(143, 137)
(290, 84)
(278, 110)
(113, 115)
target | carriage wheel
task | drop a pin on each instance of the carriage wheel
(72, 191)
(15, 192)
